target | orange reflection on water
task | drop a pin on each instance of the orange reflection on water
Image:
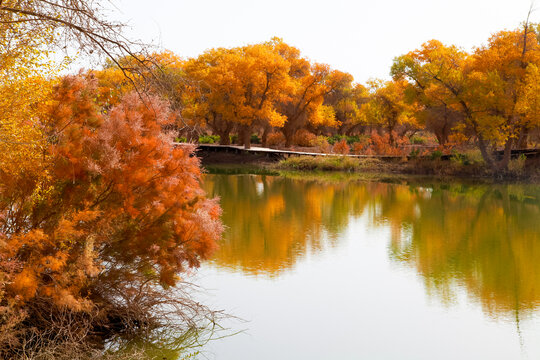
(484, 239)
(272, 221)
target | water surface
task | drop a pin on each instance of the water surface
(376, 270)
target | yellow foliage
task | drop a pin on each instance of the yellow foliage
(388, 107)
(242, 85)
(495, 89)
(529, 102)
(21, 138)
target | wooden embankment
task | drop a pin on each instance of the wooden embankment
(276, 154)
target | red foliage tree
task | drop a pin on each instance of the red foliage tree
(341, 147)
(119, 205)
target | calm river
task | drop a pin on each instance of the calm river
(375, 270)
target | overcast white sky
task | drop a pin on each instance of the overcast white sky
(360, 37)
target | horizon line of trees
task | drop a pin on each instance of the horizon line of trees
(489, 98)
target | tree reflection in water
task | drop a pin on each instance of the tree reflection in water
(484, 239)
(274, 221)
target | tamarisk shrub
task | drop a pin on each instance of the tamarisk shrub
(341, 147)
(116, 216)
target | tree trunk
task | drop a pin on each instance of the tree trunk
(485, 153)
(523, 139)
(443, 139)
(503, 165)
(245, 135)
(445, 129)
(390, 130)
(224, 138)
(264, 140)
(288, 133)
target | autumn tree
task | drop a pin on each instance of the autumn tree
(439, 75)
(435, 107)
(388, 108)
(25, 86)
(500, 79)
(30, 31)
(261, 86)
(442, 121)
(345, 99)
(305, 104)
(169, 81)
(237, 88)
(347, 104)
(162, 75)
(488, 88)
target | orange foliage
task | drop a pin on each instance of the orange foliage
(304, 138)
(361, 147)
(492, 91)
(305, 103)
(121, 202)
(383, 144)
(276, 138)
(237, 87)
(341, 147)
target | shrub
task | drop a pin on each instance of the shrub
(209, 139)
(457, 138)
(353, 139)
(358, 148)
(436, 155)
(255, 139)
(304, 138)
(322, 145)
(466, 158)
(459, 158)
(341, 147)
(475, 156)
(181, 139)
(233, 138)
(381, 144)
(332, 140)
(331, 163)
(418, 140)
(105, 263)
(516, 166)
(414, 154)
(362, 146)
(276, 138)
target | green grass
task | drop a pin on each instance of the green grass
(209, 139)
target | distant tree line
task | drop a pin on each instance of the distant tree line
(489, 98)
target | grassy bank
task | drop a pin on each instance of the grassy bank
(334, 163)
(457, 167)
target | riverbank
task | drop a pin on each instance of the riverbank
(457, 167)
(429, 167)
